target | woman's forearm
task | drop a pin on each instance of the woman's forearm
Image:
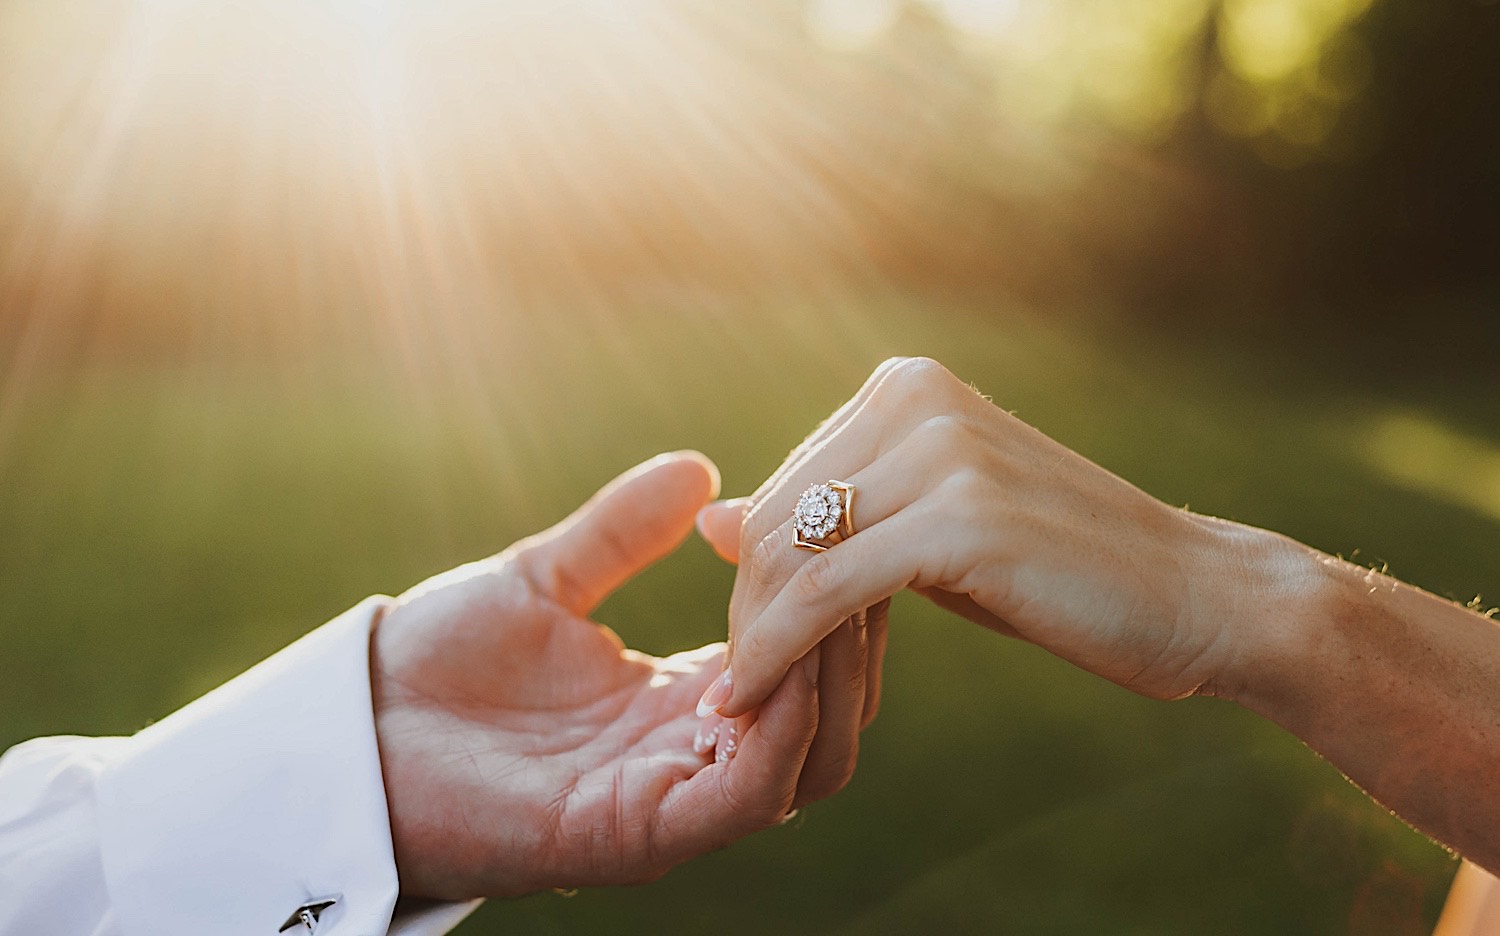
(1398, 688)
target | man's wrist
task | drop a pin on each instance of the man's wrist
(406, 841)
(436, 858)
(280, 761)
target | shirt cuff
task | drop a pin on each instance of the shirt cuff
(51, 878)
(261, 796)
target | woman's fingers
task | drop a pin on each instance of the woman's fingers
(867, 568)
(898, 397)
(890, 487)
(858, 446)
(776, 559)
(841, 706)
(895, 481)
(722, 523)
(893, 405)
(906, 401)
(725, 801)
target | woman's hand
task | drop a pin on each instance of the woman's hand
(523, 746)
(986, 516)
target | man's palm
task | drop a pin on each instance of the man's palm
(525, 747)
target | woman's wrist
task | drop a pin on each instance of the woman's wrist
(1273, 597)
(1393, 685)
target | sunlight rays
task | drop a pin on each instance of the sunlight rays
(489, 198)
(493, 200)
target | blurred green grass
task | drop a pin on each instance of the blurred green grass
(168, 525)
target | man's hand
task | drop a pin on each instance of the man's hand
(525, 747)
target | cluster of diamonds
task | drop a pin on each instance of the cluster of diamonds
(818, 511)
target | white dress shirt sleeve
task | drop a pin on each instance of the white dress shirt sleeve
(225, 817)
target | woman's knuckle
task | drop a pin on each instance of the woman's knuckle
(754, 527)
(765, 558)
(921, 369)
(885, 368)
(928, 375)
(964, 486)
(946, 432)
(908, 382)
(749, 645)
(816, 577)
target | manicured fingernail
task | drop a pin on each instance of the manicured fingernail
(706, 738)
(719, 506)
(731, 740)
(729, 743)
(717, 693)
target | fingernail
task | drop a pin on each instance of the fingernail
(706, 739)
(700, 519)
(731, 740)
(717, 693)
(729, 743)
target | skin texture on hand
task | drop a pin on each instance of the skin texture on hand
(523, 746)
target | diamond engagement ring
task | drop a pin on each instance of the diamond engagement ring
(824, 515)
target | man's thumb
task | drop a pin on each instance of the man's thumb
(633, 521)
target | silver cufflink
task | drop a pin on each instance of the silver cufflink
(306, 916)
